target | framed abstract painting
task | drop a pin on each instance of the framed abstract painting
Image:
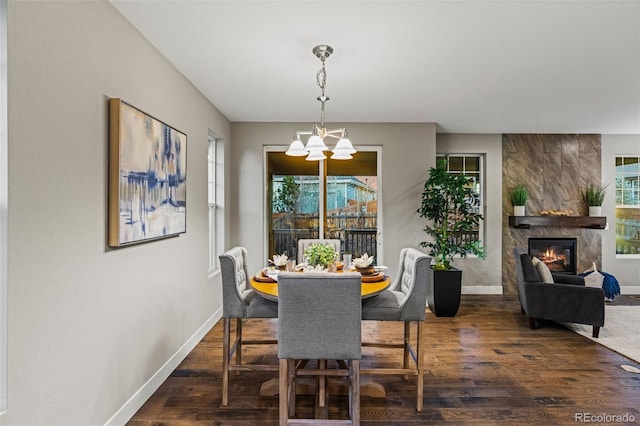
(147, 177)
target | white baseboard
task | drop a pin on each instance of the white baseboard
(482, 289)
(497, 289)
(124, 414)
(630, 289)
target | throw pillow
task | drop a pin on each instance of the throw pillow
(543, 270)
(594, 279)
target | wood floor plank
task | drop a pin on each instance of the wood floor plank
(485, 366)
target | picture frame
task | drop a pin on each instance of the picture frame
(147, 177)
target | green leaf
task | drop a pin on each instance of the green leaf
(320, 254)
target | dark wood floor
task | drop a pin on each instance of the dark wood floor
(484, 366)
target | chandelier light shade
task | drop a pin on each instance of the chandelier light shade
(343, 149)
(296, 149)
(316, 143)
(315, 147)
(315, 155)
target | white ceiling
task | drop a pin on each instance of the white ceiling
(470, 66)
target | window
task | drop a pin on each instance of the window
(215, 195)
(327, 199)
(471, 165)
(628, 206)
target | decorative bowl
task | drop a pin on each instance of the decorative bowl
(367, 270)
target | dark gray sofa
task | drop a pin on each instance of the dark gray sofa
(566, 300)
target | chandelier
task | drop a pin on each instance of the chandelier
(314, 150)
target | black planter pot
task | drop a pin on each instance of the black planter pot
(443, 293)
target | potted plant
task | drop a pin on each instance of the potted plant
(449, 204)
(285, 200)
(593, 197)
(319, 255)
(518, 197)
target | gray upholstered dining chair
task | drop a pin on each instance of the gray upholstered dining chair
(240, 301)
(319, 319)
(405, 300)
(304, 243)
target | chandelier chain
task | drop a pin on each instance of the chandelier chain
(321, 77)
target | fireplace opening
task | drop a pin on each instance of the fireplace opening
(559, 254)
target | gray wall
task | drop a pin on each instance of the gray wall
(89, 326)
(627, 271)
(483, 276)
(408, 151)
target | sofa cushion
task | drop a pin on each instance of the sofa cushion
(528, 270)
(543, 270)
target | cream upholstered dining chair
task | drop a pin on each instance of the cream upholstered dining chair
(318, 319)
(304, 243)
(240, 301)
(405, 300)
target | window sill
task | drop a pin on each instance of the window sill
(213, 273)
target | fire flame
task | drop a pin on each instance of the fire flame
(550, 256)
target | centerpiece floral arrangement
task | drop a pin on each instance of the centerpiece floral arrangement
(363, 264)
(363, 261)
(320, 255)
(280, 260)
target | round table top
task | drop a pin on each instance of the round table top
(269, 290)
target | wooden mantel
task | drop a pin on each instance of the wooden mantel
(525, 222)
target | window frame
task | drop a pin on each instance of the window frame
(215, 201)
(483, 179)
(322, 180)
(625, 256)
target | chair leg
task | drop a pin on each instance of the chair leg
(596, 331)
(322, 384)
(292, 387)
(407, 343)
(239, 340)
(532, 323)
(226, 341)
(354, 391)
(283, 395)
(420, 362)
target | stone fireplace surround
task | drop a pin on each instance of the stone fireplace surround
(555, 168)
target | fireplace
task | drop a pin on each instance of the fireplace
(559, 254)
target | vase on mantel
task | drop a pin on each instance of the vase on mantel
(518, 210)
(595, 210)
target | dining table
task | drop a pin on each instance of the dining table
(267, 287)
(372, 285)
